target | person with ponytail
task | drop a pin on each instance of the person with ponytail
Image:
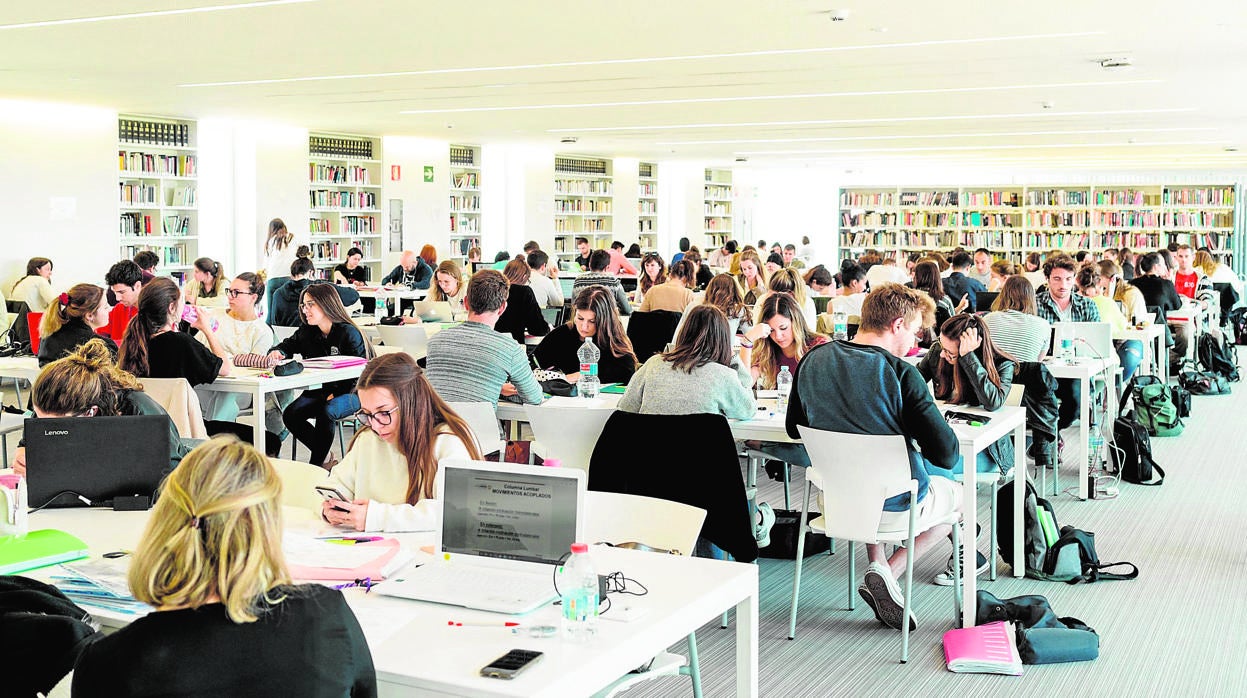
(72, 321)
(153, 348)
(226, 611)
(35, 289)
(279, 250)
(391, 468)
(208, 287)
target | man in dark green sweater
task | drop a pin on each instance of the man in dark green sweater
(865, 387)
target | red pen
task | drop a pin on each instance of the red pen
(507, 624)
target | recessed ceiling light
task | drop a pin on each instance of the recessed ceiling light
(152, 13)
(993, 134)
(1013, 146)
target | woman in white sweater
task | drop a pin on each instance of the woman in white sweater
(390, 470)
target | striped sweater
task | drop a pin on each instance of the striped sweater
(1024, 337)
(470, 362)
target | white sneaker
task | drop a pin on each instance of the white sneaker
(889, 602)
(766, 520)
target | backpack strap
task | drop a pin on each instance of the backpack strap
(1098, 572)
(1155, 482)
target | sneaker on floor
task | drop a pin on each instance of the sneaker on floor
(889, 603)
(945, 578)
(775, 469)
(766, 520)
(869, 598)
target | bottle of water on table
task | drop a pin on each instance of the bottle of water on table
(783, 386)
(380, 302)
(589, 356)
(840, 325)
(578, 591)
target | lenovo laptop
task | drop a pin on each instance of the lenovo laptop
(90, 461)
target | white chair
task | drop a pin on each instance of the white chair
(298, 482)
(857, 473)
(282, 333)
(412, 339)
(567, 433)
(658, 523)
(483, 421)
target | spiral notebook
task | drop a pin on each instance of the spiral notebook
(990, 648)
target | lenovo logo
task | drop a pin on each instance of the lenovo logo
(56, 432)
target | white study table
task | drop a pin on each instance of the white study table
(417, 654)
(19, 368)
(259, 382)
(1189, 315)
(1084, 370)
(388, 293)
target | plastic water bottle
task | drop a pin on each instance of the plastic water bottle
(1095, 443)
(578, 589)
(589, 355)
(783, 386)
(840, 326)
(380, 301)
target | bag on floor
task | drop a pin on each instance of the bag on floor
(1042, 637)
(1181, 400)
(1131, 452)
(1154, 406)
(1237, 322)
(1034, 541)
(784, 537)
(1203, 383)
(1073, 559)
(1215, 355)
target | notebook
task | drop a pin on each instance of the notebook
(337, 361)
(96, 458)
(40, 548)
(433, 311)
(504, 529)
(984, 649)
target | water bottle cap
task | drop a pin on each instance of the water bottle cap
(552, 463)
(580, 548)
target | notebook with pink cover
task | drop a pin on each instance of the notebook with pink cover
(389, 558)
(334, 361)
(983, 649)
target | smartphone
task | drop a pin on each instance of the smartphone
(510, 664)
(954, 417)
(330, 494)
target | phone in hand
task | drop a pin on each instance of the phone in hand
(331, 494)
(510, 664)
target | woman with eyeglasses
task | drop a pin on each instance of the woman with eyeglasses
(326, 331)
(391, 467)
(653, 273)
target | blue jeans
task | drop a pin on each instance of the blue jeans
(983, 464)
(1130, 353)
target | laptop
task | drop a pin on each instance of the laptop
(504, 528)
(568, 287)
(983, 301)
(97, 458)
(433, 311)
(1097, 339)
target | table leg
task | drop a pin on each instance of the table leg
(969, 542)
(1162, 361)
(1019, 499)
(1084, 433)
(747, 644)
(257, 410)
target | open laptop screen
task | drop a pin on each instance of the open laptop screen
(514, 516)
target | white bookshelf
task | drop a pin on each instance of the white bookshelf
(717, 208)
(344, 200)
(1016, 220)
(647, 206)
(583, 204)
(157, 191)
(465, 201)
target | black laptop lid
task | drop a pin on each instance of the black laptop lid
(96, 457)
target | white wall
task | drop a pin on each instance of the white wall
(783, 204)
(625, 178)
(426, 205)
(681, 188)
(58, 170)
(517, 198)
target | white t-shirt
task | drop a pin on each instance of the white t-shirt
(277, 263)
(882, 274)
(547, 291)
(849, 305)
(237, 337)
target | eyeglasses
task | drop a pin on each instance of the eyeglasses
(382, 418)
(305, 306)
(234, 293)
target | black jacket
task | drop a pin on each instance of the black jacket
(420, 277)
(958, 285)
(1039, 399)
(343, 340)
(285, 307)
(66, 340)
(523, 315)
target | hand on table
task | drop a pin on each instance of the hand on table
(355, 516)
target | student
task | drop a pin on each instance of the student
(829, 394)
(72, 322)
(752, 276)
(351, 272)
(653, 273)
(959, 283)
(885, 272)
(780, 338)
(684, 245)
(673, 294)
(1032, 269)
(1190, 281)
(701, 272)
(597, 276)
(790, 257)
(87, 383)
(721, 257)
(774, 262)
(927, 279)
(208, 286)
(594, 317)
(35, 289)
(982, 271)
(820, 281)
(699, 374)
(412, 272)
(147, 261)
(285, 306)
(152, 346)
(853, 291)
(1130, 351)
(1001, 269)
(1059, 303)
(1130, 298)
(428, 255)
(279, 250)
(724, 293)
(390, 471)
(210, 563)
(474, 255)
(326, 331)
(124, 281)
(619, 263)
(788, 280)
(583, 251)
(522, 315)
(1015, 324)
(543, 280)
(450, 287)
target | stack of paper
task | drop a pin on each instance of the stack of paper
(984, 649)
(334, 361)
(99, 584)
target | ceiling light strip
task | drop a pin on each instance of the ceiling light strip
(152, 13)
(996, 134)
(1013, 146)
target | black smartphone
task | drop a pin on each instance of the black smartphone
(510, 664)
(331, 494)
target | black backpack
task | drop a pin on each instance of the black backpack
(1236, 319)
(1034, 544)
(1181, 400)
(1217, 356)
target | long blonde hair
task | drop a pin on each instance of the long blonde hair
(215, 531)
(788, 280)
(75, 304)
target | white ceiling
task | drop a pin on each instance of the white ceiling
(877, 88)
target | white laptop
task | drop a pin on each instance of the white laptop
(1097, 339)
(433, 311)
(504, 530)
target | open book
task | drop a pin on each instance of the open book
(984, 649)
(334, 361)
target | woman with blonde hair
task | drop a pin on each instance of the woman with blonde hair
(449, 286)
(778, 340)
(210, 562)
(752, 277)
(1000, 270)
(73, 321)
(391, 467)
(788, 280)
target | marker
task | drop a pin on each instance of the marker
(507, 624)
(352, 541)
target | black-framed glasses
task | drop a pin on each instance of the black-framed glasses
(382, 417)
(234, 293)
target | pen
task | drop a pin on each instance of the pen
(352, 541)
(507, 624)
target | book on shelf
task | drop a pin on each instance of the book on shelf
(327, 198)
(990, 648)
(346, 175)
(153, 133)
(464, 180)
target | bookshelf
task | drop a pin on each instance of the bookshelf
(157, 191)
(717, 208)
(465, 201)
(344, 199)
(647, 206)
(1016, 220)
(583, 204)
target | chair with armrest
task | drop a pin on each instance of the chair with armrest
(657, 523)
(854, 489)
(567, 433)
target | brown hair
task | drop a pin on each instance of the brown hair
(683, 270)
(752, 256)
(723, 293)
(517, 271)
(429, 254)
(927, 278)
(32, 267)
(451, 268)
(1088, 276)
(644, 283)
(610, 332)
(326, 296)
(421, 415)
(885, 305)
(278, 236)
(1003, 267)
(950, 383)
(1016, 294)
(209, 266)
(487, 291)
(86, 378)
(153, 315)
(766, 353)
(788, 280)
(76, 304)
(704, 337)
(1206, 263)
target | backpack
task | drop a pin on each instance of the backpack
(1035, 545)
(1237, 321)
(1073, 559)
(1131, 453)
(1204, 383)
(1181, 400)
(1154, 406)
(1217, 356)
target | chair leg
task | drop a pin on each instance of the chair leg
(787, 501)
(852, 575)
(991, 568)
(909, 584)
(802, 527)
(694, 665)
(341, 442)
(956, 575)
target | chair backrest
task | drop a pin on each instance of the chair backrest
(298, 481)
(21, 324)
(33, 321)
(820, 303)
(281, 333)
(650, 332)
(856, 473)
(567, 433)
(631, 518)
(412, 339)
(1014, 398)
(483, 421)
(180, 401)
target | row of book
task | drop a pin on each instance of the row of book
(464, 224)
(338, 174)
(717, 192)
(139, 194)
(1213, 241)
(157, 164)
(1127, 219)
(1129, 197)
(462, 156)
(359, 225)
(582, 225)
(645, 225)
(855, 199)
(133, 223)
(465, 245)
(465, 203)
(567, 243)
(647, 189)
(1197, 219)
(712, 209)
(647, 208)
(581, 206)
(325, 198)
(718, 225)
(1216, 196)
(993, 198)
(579, 166)
(1057, 197)
(1057, 219)
(153, 133)
(340, 147)
(977, 219)
(333, 250)
(583, 187)
(465, 180)
(172, 255)
(929, 198)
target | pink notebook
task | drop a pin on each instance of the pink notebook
(386, 563)
(984, 649)
(334, 361)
